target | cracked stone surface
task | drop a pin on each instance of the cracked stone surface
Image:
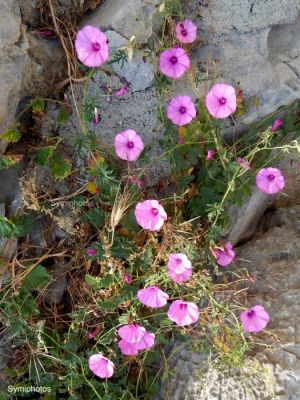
(273, 260)
(255, 43)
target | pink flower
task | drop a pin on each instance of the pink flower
(255, 319)
(243, 163)
(221, 100)
(224, 255)
(270, 180)
(179, 267)
(101, 366)
(210, 154)
(91, 46)
(128, 145)
(150, 215)
(153, 297)
(91, 252)
(96, 119)
(128, 349)
(136, 181)
(276, 125)
(93, 334)
(186, 31)
(127, 278)
(121, 92)
(181, 110)
(174, 62)
(147, 341)
(183, 312)
(132, 333)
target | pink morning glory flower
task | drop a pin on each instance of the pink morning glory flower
(181, 110)
(91, 252)
(179, 267)
(152, 297)
(224, 255)
(255, 319)
(186, 31)
(136, 181)
(146, 342)
(121, 92)
(101, 366)
(94, 333)
(150, 215)
(128, 145)
(183, 312)
(91, 46)
(174, 62)
(243, 163)
(128, 349)
(221, 100)
(127, 278)
(96, 119)
(270, 180)
(276, 125)
(210, 154)
(131, 333)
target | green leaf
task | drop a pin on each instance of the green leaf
(43, 155)
(7, 228)
(11, 135)
(36, 278)
(122, 248)
(6, 161)
(101, 283)
(63, 115)
(37, 104)
(22, 225)
(60, 167)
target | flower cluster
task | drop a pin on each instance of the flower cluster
(221, 101)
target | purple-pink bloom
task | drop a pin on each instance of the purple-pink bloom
(91, 252)
(127, 278)
(255, 319)
(101, 366)
(121, 92)
(96, 119)
(136, 181)
(276, 125)
(94, 333)
(150, 215)
(221, 100)
(174, 62)
(224, 255)
(186, 31)
(243, 163)
(270, 180)
(183, 312)
(180, 140)
(179, 267)
(152, 297)
(181, 110)
(91, 46)
(210, 154)
(131, 333)
(128, 145)
(128, 349)
(146, 342)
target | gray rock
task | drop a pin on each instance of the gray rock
(138, 73)
(116, 41)
(273, 259)
(10, 189)
(15, 61)
(127, 17)
(55, 290)
(192, 375)
(254, 43)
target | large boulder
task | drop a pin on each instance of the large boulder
(255, 44)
